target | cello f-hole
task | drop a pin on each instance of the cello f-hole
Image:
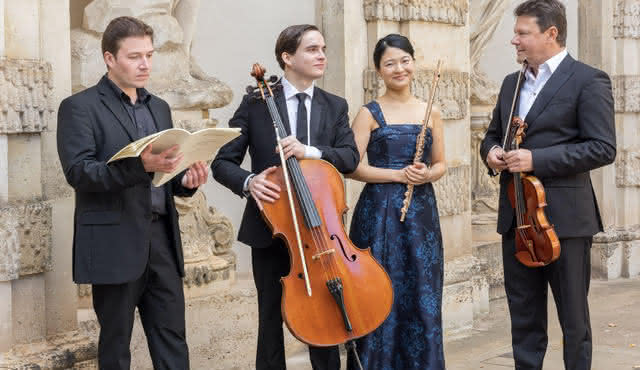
(351, 258)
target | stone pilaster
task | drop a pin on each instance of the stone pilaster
(38, 312)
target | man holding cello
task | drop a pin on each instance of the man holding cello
(568, 109)
(318, 125)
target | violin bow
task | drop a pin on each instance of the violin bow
(420, 141)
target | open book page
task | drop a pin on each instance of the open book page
(199, 146)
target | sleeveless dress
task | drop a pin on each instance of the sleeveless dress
(410, 251)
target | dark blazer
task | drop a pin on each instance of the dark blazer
(112, 217)
(571, 130)
(330, 133)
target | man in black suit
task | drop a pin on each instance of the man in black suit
(319, 128)
(126, 235)
(568, 107)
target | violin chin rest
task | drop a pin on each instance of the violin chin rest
(525, 258)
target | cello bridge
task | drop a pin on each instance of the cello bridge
(327, 252)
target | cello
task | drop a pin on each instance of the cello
(537, 244)
(334, 292)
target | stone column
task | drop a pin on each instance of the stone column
(485, 17)
(38, 320)
(342, 24)
(610, 40)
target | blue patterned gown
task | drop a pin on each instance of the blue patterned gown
(410, 251)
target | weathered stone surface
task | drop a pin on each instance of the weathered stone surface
(626, 92)
(452, 12)
(628, 168)
(26, 96)
(71, 350)
(452, 191)
(484, 188)
(626, 19)
(9, 246)
(27, 244)
(616, 253)
(457, 308)
(99, 13)
(452, 96)
(484, 19)
(490, 257)
(176, 77)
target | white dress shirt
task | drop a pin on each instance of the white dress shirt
(533, 84)
(292, 110)
(291, 99)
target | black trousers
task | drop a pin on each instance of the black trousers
(159, 296)
(526, 290)
(269, 265)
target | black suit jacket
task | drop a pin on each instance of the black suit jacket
(330, 133)
(112, 217)
(571, 130)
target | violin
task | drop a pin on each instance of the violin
(334, 292)
(537, 244)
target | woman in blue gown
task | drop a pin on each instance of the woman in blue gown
(410, 251)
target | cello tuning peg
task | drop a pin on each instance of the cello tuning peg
(273, 78)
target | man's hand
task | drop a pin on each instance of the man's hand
(165, 161)
(292, 147)
(417, 173)
(519, 160)
(262, 189)
(495, 159)
(195, 176)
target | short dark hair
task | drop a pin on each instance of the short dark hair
(289, 40)
(547, 13)
(119, 29)
(392, 40)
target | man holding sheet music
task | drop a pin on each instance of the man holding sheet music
(126, 234)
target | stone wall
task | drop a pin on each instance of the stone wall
(38, 325)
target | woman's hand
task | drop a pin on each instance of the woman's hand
(417, 174)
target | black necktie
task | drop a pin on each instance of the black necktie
(301, 119)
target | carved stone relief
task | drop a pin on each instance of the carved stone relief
(484, 188)
(485, 20)
(207, 237)
(26, 96)
(25, 247)
(452, 12)
(452, 96)
(628, 168)
(626, 92)
(176, 76)
(452, 191)
(626, 19)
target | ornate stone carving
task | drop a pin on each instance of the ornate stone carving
(485, 20)
(626, 90)
(452, 12)
(628, 168)
(176, 76)
(26, 95)
(452, 96)
(71, 350)
(452, 191)
(484, 188)
(626, 19)
(207, 237)
(26, 245)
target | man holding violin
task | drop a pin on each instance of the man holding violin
(318, 125)
(568, 107)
